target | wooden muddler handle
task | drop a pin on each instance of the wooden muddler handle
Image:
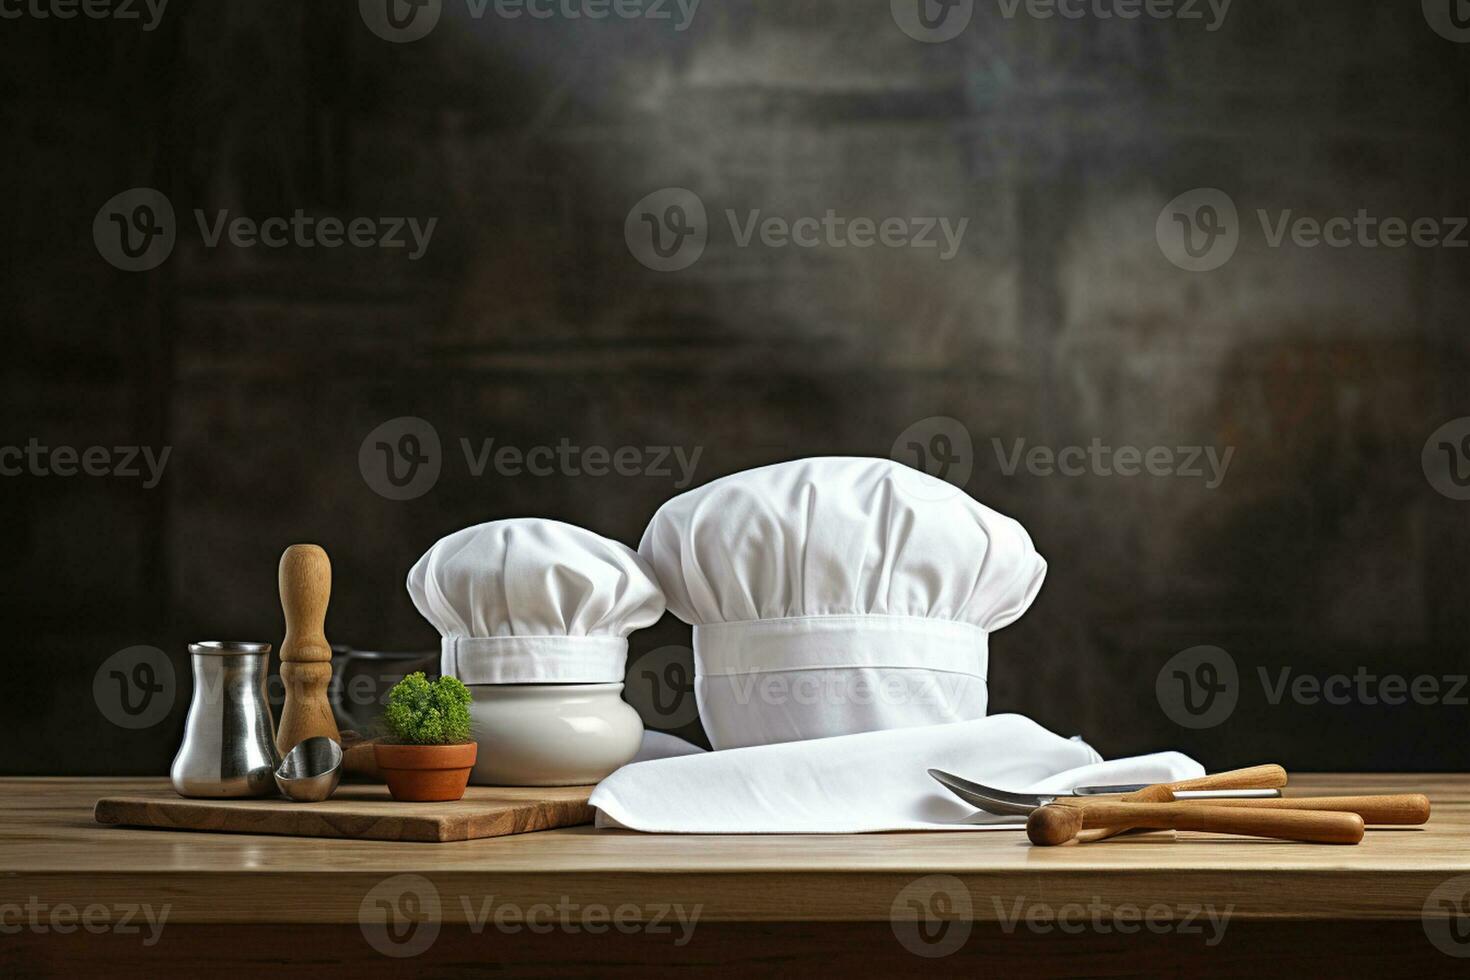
(1057, 824)
(1269, 776)
(1403, 809)
(305, 579)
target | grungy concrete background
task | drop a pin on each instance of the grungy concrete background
(1060, 319)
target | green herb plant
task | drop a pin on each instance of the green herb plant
(424, 712)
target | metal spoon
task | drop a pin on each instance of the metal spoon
(311, 770)
(1021, 804)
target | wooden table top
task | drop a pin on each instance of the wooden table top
(52, 851)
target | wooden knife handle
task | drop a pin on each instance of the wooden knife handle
(1320, 827)
(1255, 777)
(1403, 809)
(1057, 824)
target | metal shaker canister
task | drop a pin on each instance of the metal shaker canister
(229, 744)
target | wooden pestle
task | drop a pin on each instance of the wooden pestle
(305, 579)
(1057, 824)
(1269, 776)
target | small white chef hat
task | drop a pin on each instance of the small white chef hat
(832, 596)
(533, 601)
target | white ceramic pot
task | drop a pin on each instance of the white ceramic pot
(551, 734)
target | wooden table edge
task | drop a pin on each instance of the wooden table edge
(235, 896)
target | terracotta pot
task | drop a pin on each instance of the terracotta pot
(425, 773)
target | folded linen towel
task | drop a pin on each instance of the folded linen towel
(865, 783)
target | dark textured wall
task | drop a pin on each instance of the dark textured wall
(1060, 319)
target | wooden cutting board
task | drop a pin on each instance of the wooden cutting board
(360, 812)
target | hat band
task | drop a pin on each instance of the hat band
(534, 659)
(824, 642)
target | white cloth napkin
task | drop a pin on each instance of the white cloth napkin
(865, 783)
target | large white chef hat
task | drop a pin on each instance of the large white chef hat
(533, 601)
(831, 596)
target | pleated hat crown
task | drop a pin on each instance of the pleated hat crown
(529, 600)
(845, 571)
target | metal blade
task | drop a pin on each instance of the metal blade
(1225, 794)
(1107, 790)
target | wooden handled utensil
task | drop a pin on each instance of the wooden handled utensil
(1059, 823)
(1269, 776)
(305, 580)
(1402, 809)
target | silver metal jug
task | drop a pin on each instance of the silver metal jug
(229, 744)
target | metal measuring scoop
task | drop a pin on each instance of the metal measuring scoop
(311, 770)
